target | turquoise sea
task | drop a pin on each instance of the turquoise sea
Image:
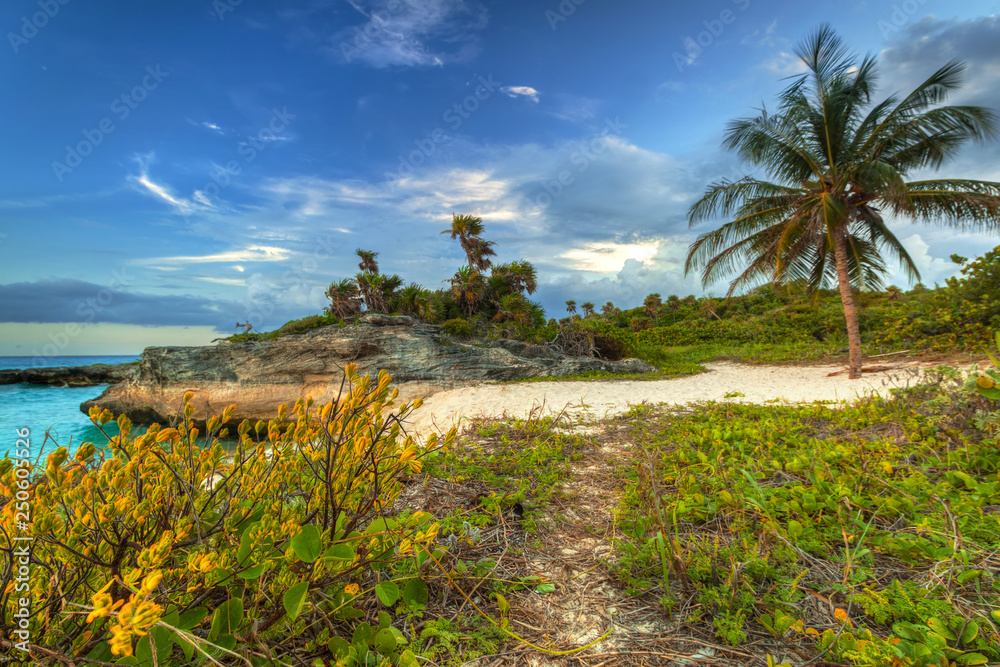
(50, 411)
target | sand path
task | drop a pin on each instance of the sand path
(597, 399)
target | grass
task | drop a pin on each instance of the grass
(861, 535)
(866, 533)
(681, 360)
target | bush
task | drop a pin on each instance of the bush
(459, 327)
(282, 546)
(610, 342)
(307, 324)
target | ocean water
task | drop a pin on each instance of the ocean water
(52, 414)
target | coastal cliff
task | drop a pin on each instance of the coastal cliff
(258, 376)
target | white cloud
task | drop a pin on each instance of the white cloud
(249, 254)
(521, 91)
(410, 33)
(144, 184)
(610, 257)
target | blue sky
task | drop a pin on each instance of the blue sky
(174, 167)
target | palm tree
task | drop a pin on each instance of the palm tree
(377, 290)
(673, 304)
(514, 308)
(468, 288)
(893, 292)
(344, 299)
(588, 308)
(651, 304)
(708, 308)
(408, 299)
(520, 275)
(571, 307)
(838, 162)
(468, 230)
(608, 310)
(368, 262)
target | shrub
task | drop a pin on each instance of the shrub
(307, 323)
(610, 342)
(459, 327)
(275, 551)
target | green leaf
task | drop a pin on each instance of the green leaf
(295, 599)
(338, 647)
(341, 551)
(938, 626)
(192, 618)
(970, 632)
(384, 620)
(387, 593)
(253, 573)
(503, 604)
(227, 642)
(227, 618)
(415, 594)
(385, 641)
(972, 659)
(407, 659)
(362, 634)
(545, 588)
(308, 545)
(245, 550)
(186, 647)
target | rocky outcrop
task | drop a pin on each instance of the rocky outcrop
(70, 376)
(258, 376)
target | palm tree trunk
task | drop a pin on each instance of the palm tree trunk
(847, 299)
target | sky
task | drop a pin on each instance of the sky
(172, 168)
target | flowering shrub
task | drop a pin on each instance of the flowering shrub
(170, 548)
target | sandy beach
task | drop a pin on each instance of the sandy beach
(742, 383)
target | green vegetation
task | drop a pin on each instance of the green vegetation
(169, 549)
(863, 534)
(884, 512)
(840, 162)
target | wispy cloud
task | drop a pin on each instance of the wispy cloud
(144, 184)
(408, 33)
(521, 91)
(249, 254)
(214, 127)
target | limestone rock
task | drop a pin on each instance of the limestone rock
(69, 376)
(258, 376)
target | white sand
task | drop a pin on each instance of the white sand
(597, 399)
